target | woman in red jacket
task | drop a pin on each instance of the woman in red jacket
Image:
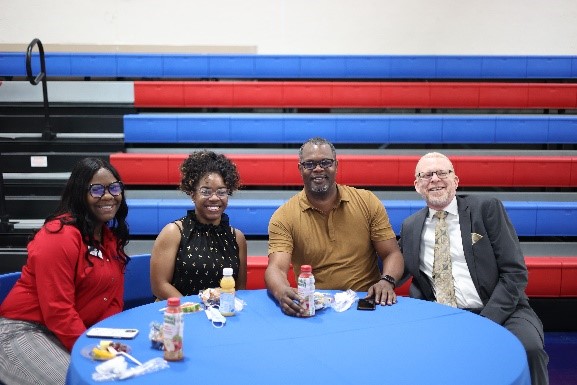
(73, 277)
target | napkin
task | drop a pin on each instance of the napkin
(117, 369)
(344, 300)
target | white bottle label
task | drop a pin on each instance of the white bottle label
(226, 303)
(172, 332)
(306, 290)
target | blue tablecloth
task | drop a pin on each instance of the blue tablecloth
(412, 342)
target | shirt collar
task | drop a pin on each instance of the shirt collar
(342, 196)
(451, 208)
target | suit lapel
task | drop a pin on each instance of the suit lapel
(415, 238)
(415, 243)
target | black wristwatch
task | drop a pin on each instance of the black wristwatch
(390, 280)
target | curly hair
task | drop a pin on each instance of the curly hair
(200, 163)
(73, 208)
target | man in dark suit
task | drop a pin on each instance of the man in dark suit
(486, 269)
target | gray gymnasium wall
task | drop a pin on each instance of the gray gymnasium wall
(485, 27)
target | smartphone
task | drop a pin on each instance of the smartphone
(112, 333)
(366, 304)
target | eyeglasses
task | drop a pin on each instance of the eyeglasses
(98, 190)
(312, 164)
(207, 193)
(441, 174)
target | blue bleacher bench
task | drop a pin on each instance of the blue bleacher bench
(347, 128)
(251, 216)
(254, 66)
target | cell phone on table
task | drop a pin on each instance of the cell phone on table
(120, 333)
(366, 304)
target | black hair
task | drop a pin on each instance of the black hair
(200, 163)
(73, 208)
(318, 141)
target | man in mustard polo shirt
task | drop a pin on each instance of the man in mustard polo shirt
(339, 230)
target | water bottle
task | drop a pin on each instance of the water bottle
(172, 330)
(306, 290)
(227, 293)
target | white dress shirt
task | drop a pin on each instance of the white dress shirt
(465, 292)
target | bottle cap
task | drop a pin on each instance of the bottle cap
(173, 301)
(227, 271)
(306, 269)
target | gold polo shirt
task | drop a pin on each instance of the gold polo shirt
(339, 245)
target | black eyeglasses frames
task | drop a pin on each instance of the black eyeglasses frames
(441, 174)
(97, 190)
(312, 164)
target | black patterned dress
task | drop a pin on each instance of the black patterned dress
(205, 249)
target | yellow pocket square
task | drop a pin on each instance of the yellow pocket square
(475, 237)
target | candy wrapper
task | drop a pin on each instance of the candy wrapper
(188, 307)
(323, 300)
(211, 297)
(155, 336)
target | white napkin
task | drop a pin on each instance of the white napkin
(117, 369)
(344, 300)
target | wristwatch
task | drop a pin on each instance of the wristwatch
(390, 280)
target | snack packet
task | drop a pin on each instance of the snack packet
(155, 336)
(211, 297)
(323, 300)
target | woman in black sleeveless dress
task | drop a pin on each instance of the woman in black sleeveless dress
(189, 254)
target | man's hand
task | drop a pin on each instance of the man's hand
(290, 302)
(383, 293)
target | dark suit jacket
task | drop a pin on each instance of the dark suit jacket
(495, 261)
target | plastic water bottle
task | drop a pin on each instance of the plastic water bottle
(227, 293)
(306, 289)
(172, 330)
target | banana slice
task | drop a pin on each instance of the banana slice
(100, 352)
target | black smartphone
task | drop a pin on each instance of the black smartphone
(366, 304)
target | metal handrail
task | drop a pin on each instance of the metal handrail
(41, 77)
(5, 224)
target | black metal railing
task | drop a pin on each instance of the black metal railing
(5, 225)
(41, 77)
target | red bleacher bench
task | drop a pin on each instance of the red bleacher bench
(549, 277)
(256, 266)
(323, 94)
(361, 170)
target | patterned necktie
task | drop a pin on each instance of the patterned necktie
(442, 270)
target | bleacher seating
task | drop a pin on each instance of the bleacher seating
(239, 129)
(238, 66)
(551, 277)
(366, 170)
(148, 216)
(315, 94)
(383, 112)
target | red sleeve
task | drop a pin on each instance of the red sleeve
(55, 257)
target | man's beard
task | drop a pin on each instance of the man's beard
(320, 189)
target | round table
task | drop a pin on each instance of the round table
(412, 342)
